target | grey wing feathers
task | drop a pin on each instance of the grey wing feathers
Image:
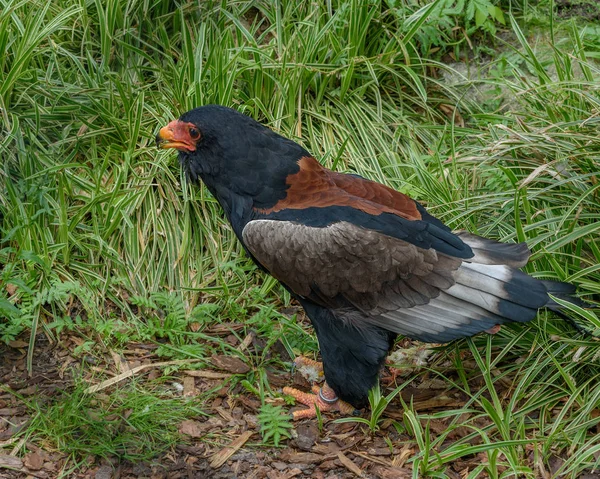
(443, 319)
(363, 266)
(483, 296)
(405, 289)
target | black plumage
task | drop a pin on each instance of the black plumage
(366, 262)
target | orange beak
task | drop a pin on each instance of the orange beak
(176, 135)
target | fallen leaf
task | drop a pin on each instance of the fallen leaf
(348, 464)
(33, 461)
(453, 114)
(11, 289)
(195, 327)
(401, 458)
(192, 428)
(121, 363)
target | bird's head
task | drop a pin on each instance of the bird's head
(234, 155)
(208, 139)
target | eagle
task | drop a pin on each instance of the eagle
(367, 263)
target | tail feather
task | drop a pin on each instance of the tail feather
(508, 292)
(505, 283)
(564, 291)
(488, 251)
(501, 261)
(489, 289)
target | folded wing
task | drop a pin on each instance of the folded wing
(365, 275)
(370, 253)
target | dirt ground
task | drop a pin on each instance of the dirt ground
(587, 10)
(234, 446)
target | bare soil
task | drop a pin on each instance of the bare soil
(586, 10)
(224, 444)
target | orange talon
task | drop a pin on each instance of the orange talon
(325, 398)
(304, 361)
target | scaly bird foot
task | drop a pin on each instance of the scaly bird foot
(324, 398)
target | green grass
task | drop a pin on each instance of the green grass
(132, 424)
(93, 215)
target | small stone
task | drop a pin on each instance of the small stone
(308, 434)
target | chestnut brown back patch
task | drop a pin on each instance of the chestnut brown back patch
(315, 186)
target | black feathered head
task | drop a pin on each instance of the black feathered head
(237, 158)
(215, 140)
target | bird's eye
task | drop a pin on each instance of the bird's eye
(194, 134)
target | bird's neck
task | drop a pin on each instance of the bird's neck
(237, 207)
(241, 192)
(247, 176)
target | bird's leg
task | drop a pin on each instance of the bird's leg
(322, 397)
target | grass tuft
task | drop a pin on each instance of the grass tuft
(129, 424)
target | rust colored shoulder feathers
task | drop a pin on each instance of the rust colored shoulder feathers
(315, 186)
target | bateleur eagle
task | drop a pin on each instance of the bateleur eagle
(366, 262)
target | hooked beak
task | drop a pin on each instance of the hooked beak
(175, 135)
